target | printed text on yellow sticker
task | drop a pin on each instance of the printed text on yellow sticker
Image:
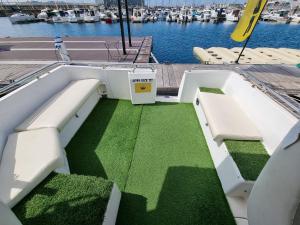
(142, 87)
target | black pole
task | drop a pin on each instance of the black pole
(121, 26)
(237, 61)
(128, 23)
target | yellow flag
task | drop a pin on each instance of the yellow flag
(249, 19)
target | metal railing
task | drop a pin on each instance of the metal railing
(280, 96)
(26, 78)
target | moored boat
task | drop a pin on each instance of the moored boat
(21, 18)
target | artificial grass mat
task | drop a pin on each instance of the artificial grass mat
(211, 90)
(157, 154)
(250, 157)
(172, 179)
(65, 200)
(104, 144)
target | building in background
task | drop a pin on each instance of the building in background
(109, 3)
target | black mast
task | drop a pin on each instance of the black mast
(247, 40)
(121, 26)
(128, 23)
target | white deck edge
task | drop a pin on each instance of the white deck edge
(232, 181)
(112, 208)
(219, 155)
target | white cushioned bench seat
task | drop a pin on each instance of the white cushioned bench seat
(28, 158)
(57, 111)
(226, 119)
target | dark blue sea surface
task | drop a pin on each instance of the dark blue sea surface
(172, 42)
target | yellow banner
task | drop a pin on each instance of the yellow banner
(143, 87)
(249, 19)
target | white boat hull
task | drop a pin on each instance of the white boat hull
(21, 19)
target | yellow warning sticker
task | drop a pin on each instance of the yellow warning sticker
(142, 87)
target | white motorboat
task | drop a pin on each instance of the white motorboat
(111, 17)
(169, 18)
(74, 16)
(21, 18)
(172, 15)
(91, 16)
(218, 15)
(205, 16)
(44, 14)
(280, 16)
(233, 15)
(139, 15)
(185, 15)
(71, 17)
(59, 16)
(102, 16)
(181, 141)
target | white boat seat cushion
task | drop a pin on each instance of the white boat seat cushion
(226, 119)
(57, 111)
(28, 158)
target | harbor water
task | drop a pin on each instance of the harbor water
(172, 42)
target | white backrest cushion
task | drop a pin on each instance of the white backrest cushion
(275, 196)
(18, 105)
(57, 111)
(272, 120)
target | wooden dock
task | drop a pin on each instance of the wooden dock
(94, 49)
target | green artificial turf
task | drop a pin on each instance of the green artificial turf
(158, 156)
(211, 90)
(250, 157)
(65, 200)
(172, 179)
(104, 144)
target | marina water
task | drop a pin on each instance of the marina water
(172, 42)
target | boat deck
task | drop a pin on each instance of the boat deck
(281, 82)
(97, 49)
(163, 169)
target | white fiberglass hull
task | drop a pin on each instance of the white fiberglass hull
(21, 19)
(91, 19)
(59, 19)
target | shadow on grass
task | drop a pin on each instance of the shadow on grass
(189, 195)
(250, 165)
(81, 150)
(249, 156)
